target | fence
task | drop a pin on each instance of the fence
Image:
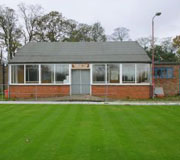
(71, 92)
(52, 93)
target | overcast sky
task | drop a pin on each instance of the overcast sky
(135, 15)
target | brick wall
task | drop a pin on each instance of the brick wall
(171, 85)
(39, 91)
(116, 92)
(123, 92)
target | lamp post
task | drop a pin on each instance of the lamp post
(153, 81)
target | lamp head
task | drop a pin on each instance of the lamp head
(158, 14)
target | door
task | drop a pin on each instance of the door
(80, 83)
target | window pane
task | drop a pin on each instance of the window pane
(99, 73)
(143, 73)
(169, 72)
(32, 74)
(158, 73)
(62, 73)
(113, 73)
(164, 72)
(17, 74)
(47, 73)
(128, 73)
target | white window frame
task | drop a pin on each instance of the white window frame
(120, 74)
(40, 80)
(105, 82)
(10, 69)
(108, 83)
(150, 73)
(25, 74)
(134, 74)
(39, 83)
(69, 66)
(91, 75)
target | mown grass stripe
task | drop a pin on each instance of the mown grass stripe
(44, 136)
(151, 141)
(57, 137)
(113, 150)
(12, 117)
(20, 131)
(124, 127)
(80, 148)
(160, 132)
(89, 132)
(96, 136)
(67, 141)
(9, 111)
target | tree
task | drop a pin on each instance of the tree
(10, 32)
(98, 33)
(162, 55)
(176, 43)
(50, 27)
(1, 57)
(167, 44)
(81, 33)
(120, 34)
(71, 30)
(144, 42)
(164, 51)
(30, 15)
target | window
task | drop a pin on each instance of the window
(164, 72)
(32, 74)
(113, 73)
(143, 73)
(17, 74)
(128, 73)
(99, 73)
(47, 73)
(62, 73)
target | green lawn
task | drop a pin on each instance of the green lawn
(89, 132)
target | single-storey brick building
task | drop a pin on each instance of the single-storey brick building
(167, 76)
(113, 69)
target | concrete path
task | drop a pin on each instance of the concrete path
(97, 103)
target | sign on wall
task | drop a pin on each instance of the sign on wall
(80, 66)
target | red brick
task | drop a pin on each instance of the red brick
(170, 85)
(122, 91)
(39, 91)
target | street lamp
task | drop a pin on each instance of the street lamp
(153, 81)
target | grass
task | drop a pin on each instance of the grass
(91, 132)
(175, 98)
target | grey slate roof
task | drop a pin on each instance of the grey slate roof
(81, 52)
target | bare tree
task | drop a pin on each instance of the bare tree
(145, 42)
(167, 44)
(30, 15)
(176, 43)
(120, 34)
(10, 32)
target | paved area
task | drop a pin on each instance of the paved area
(74, 98)
(88, 102)
(87, 98)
